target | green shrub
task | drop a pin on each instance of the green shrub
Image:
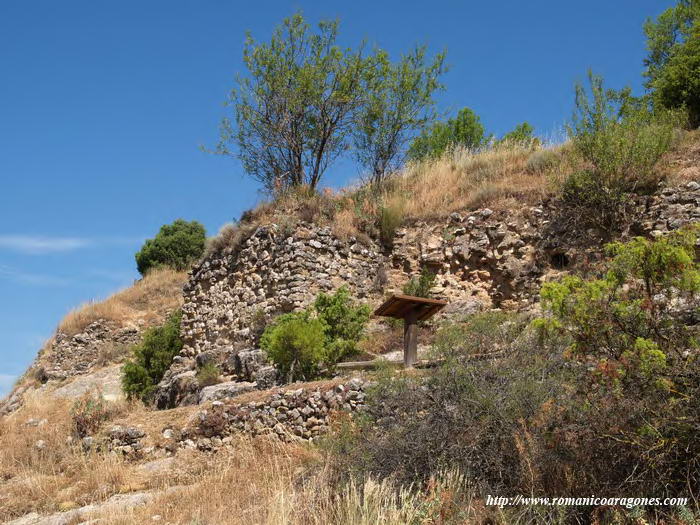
(176, 245)
(208, 375)
(152, 358)
(465, 130)
(302, 343)
(344, 322)
(296, 344)
(625, 320)
(621, 140)
(420, 286)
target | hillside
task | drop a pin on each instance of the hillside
(246, 446)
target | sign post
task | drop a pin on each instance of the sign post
(411, 309)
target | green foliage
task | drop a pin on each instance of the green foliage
(464, 130)
(672, 63)
(176, 245)
(151, 358)
(294, 109)
(621, 140)
(302, 343)
(421, 285)
(399, 103)
(343, 320)
(296, 344)
(677, 84)
(208, 374)
(666, 33)
(522, 134)
(627, 320)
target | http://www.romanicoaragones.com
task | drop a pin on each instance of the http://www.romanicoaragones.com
(510, 501)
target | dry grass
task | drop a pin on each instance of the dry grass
(148, 300)
(41, 470)
(267, 482)
(682, 164)
(257, 480)
(503, 176)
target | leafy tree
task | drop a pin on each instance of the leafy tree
(677, 85)
(399, 103)
(667, 32)
(630, 320)
(151, 358)
(464, 130)
(176, 245)
(621, 139)
(295, 109)
(673, 61)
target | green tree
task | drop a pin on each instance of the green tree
(677, 85)
(673, 60)
(152, 358)
(620, 139)
(666, 33)
(176, 245)
(294, 110)
(399, 103)
(464, 130)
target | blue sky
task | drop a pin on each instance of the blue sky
(103, 107)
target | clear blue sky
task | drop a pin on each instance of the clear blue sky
(103, 107)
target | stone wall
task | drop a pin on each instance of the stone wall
(483, 259)
(302, 413)
(270, 274)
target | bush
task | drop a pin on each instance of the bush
(208, 375)
(344, 322)
(420, 286)
(390, 218)
(542, 160)
(628, 320)
(621, 140)
(464, 130)
(176, 245)
(152, 358)
(296, 344)
(302, 343)
(600, 397)
(459, 415)
(88, 412)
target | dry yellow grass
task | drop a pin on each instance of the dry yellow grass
(266, 482)
(257, 480)
(160, 291)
